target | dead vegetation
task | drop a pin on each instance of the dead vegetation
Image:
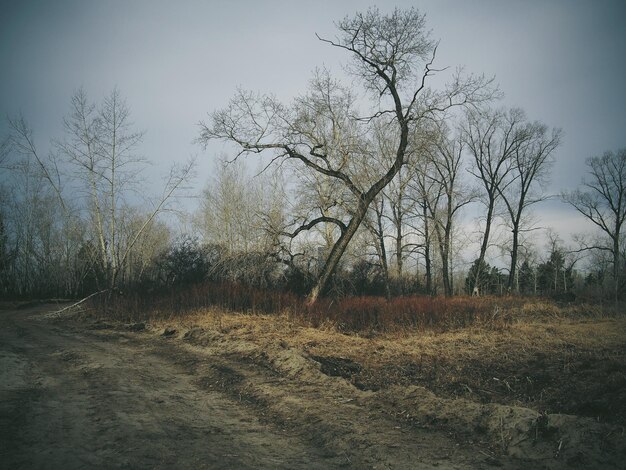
(568, 358)
(551, 359)
(523, 377)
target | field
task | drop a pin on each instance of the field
(459, 364)
(515, 384)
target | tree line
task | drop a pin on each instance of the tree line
(364, 190)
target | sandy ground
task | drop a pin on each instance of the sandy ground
(92, 395)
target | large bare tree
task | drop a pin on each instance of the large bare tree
(101, 149)
(532, 159)
(445, 164)
(392, 57)
(603, 202)
(491, 137)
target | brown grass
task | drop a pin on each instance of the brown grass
(359, 315)
(557, 359)
(378, 315)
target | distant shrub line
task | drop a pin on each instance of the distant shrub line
(176, 300)
(360, 314)
(350, 314)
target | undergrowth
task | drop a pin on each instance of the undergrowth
(522, 351)
(364, 314)
(377, 314)
(177, 301)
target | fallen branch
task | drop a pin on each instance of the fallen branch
(76, 304)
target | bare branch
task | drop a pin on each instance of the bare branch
(313, 223)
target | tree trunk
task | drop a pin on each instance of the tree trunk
(399, 262)
(444, 251)
(429, 273)
(385, 268)
(448, 281)
(485, 243)
(382, 253)
(337, 251)
(616, 273)
(446, 274)
(514, 250)
(427, 260)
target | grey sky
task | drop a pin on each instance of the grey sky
(563, 61)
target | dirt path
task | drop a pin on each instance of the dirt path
(72, 399)
(82, 396)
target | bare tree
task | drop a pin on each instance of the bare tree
(603, 202)
(395, 206)
(401, 208)
(100, 147)
(532, 159)
(42, 232)
(374, 222)
(424, 193)
(491, 137)
(423, 190)
(228, 209)
(322, 200)
(392, 56)
(386, 212)
(74, 202)
(451, 196)
(21, 141)
(153, 240)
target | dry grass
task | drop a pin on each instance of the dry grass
(359, 315)
(373, 315)
(558, 359)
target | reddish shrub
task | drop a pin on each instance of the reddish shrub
(176, 301)
(358, 314)
(352, 314)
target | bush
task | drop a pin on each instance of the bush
(365, 314)
(176, 301)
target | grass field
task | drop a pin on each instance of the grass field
(552, 358)
(533, 380)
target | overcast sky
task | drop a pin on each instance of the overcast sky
(563, 61)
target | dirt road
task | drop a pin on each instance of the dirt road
(72, 399)
(76, 395)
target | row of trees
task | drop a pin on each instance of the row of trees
(396, 157)
(363, 192)
(72, 221)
